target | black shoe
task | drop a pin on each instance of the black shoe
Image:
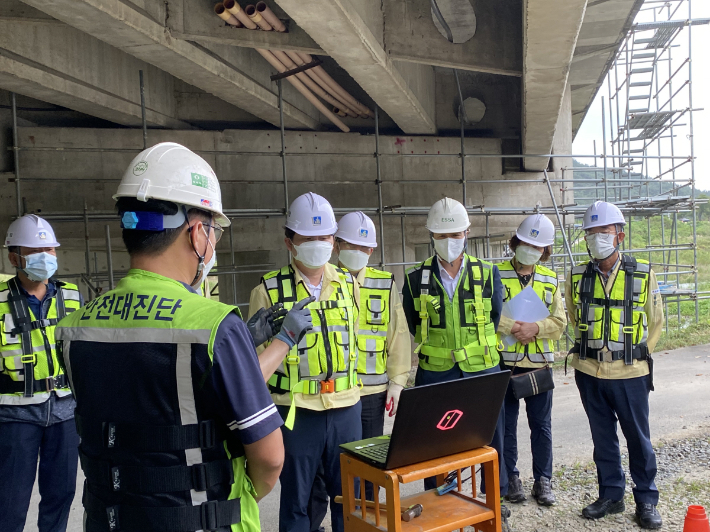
(602, 507)
(542, 492)
(648, 516)
(515, 490)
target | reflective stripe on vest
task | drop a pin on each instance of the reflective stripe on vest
(544, 282)
(163, 325)
(326, 353)
(374, 320)
(617, 321)
(28, 358)
(467, 336)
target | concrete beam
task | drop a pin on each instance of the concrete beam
(135, 32)
(55, 63)
(547, 55)
(496, 47)
(193, 20)
(347, 32)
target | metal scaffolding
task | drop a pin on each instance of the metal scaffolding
(642, 137)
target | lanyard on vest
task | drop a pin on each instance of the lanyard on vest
(586, 295)
(424, 299)
(24, 325)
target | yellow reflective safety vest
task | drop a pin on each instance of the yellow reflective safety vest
(29, 367)
(617, 321)
(544, 282)
(325, 360)
(374, 320)
(458, 331)
(154, 453)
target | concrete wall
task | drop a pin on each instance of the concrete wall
(67, 167)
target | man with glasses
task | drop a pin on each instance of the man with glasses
(178, 431)
(615, 307)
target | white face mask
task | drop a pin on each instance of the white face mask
(313, 254)
(527, 255)
(353, 259)
(601, 245)
(449, 249)
(206, 267)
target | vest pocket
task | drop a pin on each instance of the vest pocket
(376, 310)
(342, 348)
(371, 355)
(6, 326)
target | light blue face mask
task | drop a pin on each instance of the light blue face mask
(39, 266)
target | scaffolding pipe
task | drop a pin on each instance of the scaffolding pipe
(109, 257)
(603, 154)
(16, 154)
(143, 120)
(380, 206)
(692, 155)
(86, 239)
(559, 218)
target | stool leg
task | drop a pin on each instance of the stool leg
(394, 510)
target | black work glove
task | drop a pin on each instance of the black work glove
(266, 323)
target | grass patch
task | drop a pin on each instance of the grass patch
(689, 336)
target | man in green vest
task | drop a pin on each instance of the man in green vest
(615, 307)
(452, 302)
(316, 390)
(384, 347)
(36, 405)
(178, 432)
(528, 346)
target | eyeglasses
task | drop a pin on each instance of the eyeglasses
(218, 231)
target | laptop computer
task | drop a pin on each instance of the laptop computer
(437, 420)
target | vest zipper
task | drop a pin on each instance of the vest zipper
(326, 345)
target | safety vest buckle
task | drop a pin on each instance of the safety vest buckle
(208, 515)
(459, 355)
(28, 359)
(199, 477)
(327, 386)
(49, 383)
(628, 329)
(582, 327)
(293, 359)
(480, 320)
(207, 434)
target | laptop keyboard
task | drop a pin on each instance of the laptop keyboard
(376, 452)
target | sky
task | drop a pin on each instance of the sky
(591, 129)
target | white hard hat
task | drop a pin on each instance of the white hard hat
(447, 216)
(602, 213)
(357, 228)
(170, 172)
(311, 215)
(536, 230)
(31, 231)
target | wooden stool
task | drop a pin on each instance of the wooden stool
(451, 511)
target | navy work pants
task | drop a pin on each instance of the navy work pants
(432, 377)
(373, 424)
(57, 448)
(539, 411)
(605, 401)
(314, 441)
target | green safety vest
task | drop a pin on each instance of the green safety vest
(163, 325)
(375, 316)
(325, 360)
(458, 331)
(544, 282)
(29, 368)
(617, 321)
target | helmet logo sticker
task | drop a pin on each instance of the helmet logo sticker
(534, 233)
(316, 220)
(363, 233)
(140, 168)
(200, 180)
(448, 220)
(42, 235)
(205, 202)
(595, 217)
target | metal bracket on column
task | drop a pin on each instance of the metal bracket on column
(316, 62)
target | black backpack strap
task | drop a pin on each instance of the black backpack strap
(61, 309)
(629, 265)
(586, 294)
(22, 318)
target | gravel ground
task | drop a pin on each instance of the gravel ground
(683, 479)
